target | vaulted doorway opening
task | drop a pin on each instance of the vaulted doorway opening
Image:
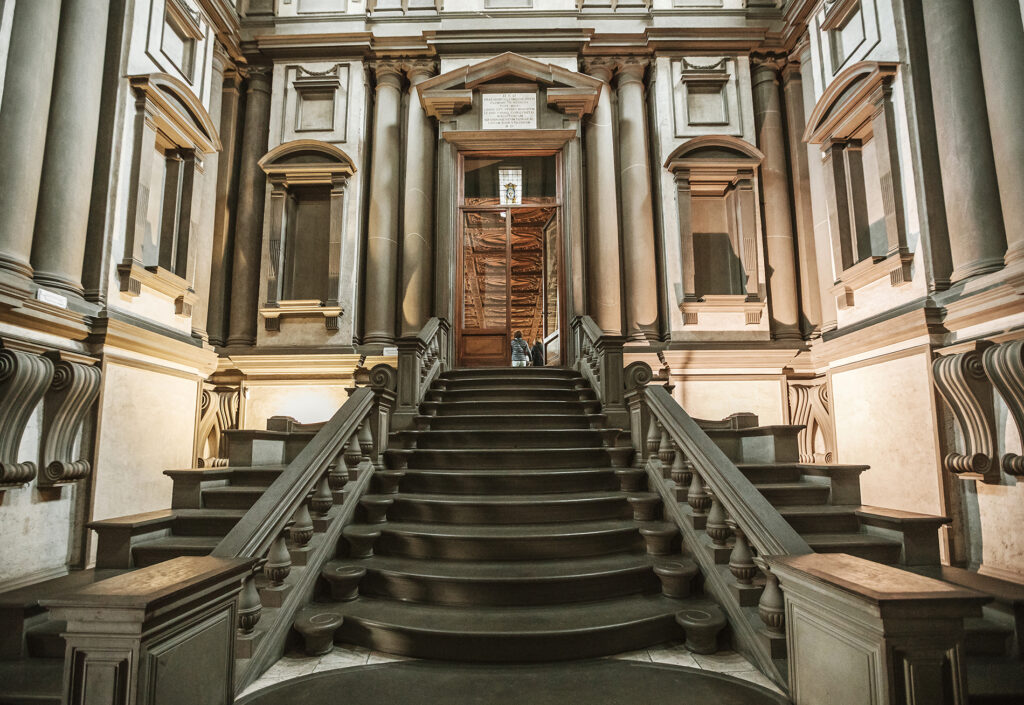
(510, 272)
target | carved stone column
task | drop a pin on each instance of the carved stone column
(204, 238)
(245, 266)
(64, 192)
(796, 119)
(418, 204)
(638, 254)
(224, 217)
(382, 230)
(23, 116)
(604, 283)
(977, 239)
(1001, 39)
(780, 252)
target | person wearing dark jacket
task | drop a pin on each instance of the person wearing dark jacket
(537, 353)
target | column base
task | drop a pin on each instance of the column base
(15, 281)
(242, 342)
(379, 339)
(976, 268)
(59, 282)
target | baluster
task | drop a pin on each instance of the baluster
(353, 454)
(339, 473)
(301, 530)
(279, 562)
(699, 500)
(665, 452)
(681, 475)
(741, 560)
(249, 607)
(365, 439)
(717, 528)
(653, 437)
(772, 606)
(323, 498)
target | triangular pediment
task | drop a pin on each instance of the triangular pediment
(574, 93)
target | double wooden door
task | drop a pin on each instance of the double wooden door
(510, 280)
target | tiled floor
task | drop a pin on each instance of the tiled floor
(293, 665)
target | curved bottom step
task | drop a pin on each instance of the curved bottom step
(514, 634)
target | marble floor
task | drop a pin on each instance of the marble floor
(293, 665)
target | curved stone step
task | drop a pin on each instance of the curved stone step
(507, 543)
(512, 634)
(497, 458)
(501, 381)
(509, 509)
(506, 583)
(510, 372)
(536, 481)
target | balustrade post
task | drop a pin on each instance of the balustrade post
(353, 453)
(250, 609)
(665, 452)
(771, 607)
(276, 570)
(653, 438)
(717, 528)
(741, 565)
(681, 474)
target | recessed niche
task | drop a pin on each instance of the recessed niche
(706, 103)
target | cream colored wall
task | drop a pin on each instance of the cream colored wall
(715, 399)
(1001, 510)
(147, 425)
(306, 403)
(35, 526)
(884, 417)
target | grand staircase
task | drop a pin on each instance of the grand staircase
(511, 536)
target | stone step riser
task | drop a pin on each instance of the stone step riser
(525, 394)
(405, 510)
(535, 438)
(987, 642)
(824, 524)
(511, 373)
(534, 458)
(203, 526)
(504, 593)
(230, 500)
(258, 478)
(509, 648)
(539, 483)
(772, 474)
(492, 548)
(496, 383)
(505, 409)
(804, 496)
(45, 644)
(143, 555)
(504, 422)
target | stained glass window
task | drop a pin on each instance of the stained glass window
(510, 185)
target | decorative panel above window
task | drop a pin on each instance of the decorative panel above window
(705, 96)
(177, 42)
(316, 101)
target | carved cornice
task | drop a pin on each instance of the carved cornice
(24, 378)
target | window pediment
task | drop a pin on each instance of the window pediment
(847, 104)
(177, 111)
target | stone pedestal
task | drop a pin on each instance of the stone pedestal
(160, 635)
(861, 632)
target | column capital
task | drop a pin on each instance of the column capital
(259, 78)
(767, 66)
(419, 70)
(631, 68)
(388, 72)
(221, 58)
(600, 67)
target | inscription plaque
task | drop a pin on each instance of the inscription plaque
(509, 111)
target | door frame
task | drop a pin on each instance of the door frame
(559, 206)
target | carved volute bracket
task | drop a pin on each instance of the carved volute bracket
(68, 402)
(810, 408)
(1004, 365)
(218, 413)
(961, 380)
(24, 378)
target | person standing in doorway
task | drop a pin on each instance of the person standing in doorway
(537, 353)
(520, 350)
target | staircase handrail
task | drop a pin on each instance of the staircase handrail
(266, 519)
(598, 357)
(712, 501)
(768, 530)
(421, 359)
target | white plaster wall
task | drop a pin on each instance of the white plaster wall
(883, 416)
(306, 403)
(35, 526)
(715, 399)
(1001, 509)
(147, 425)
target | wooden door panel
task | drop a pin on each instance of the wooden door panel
(484, 349)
